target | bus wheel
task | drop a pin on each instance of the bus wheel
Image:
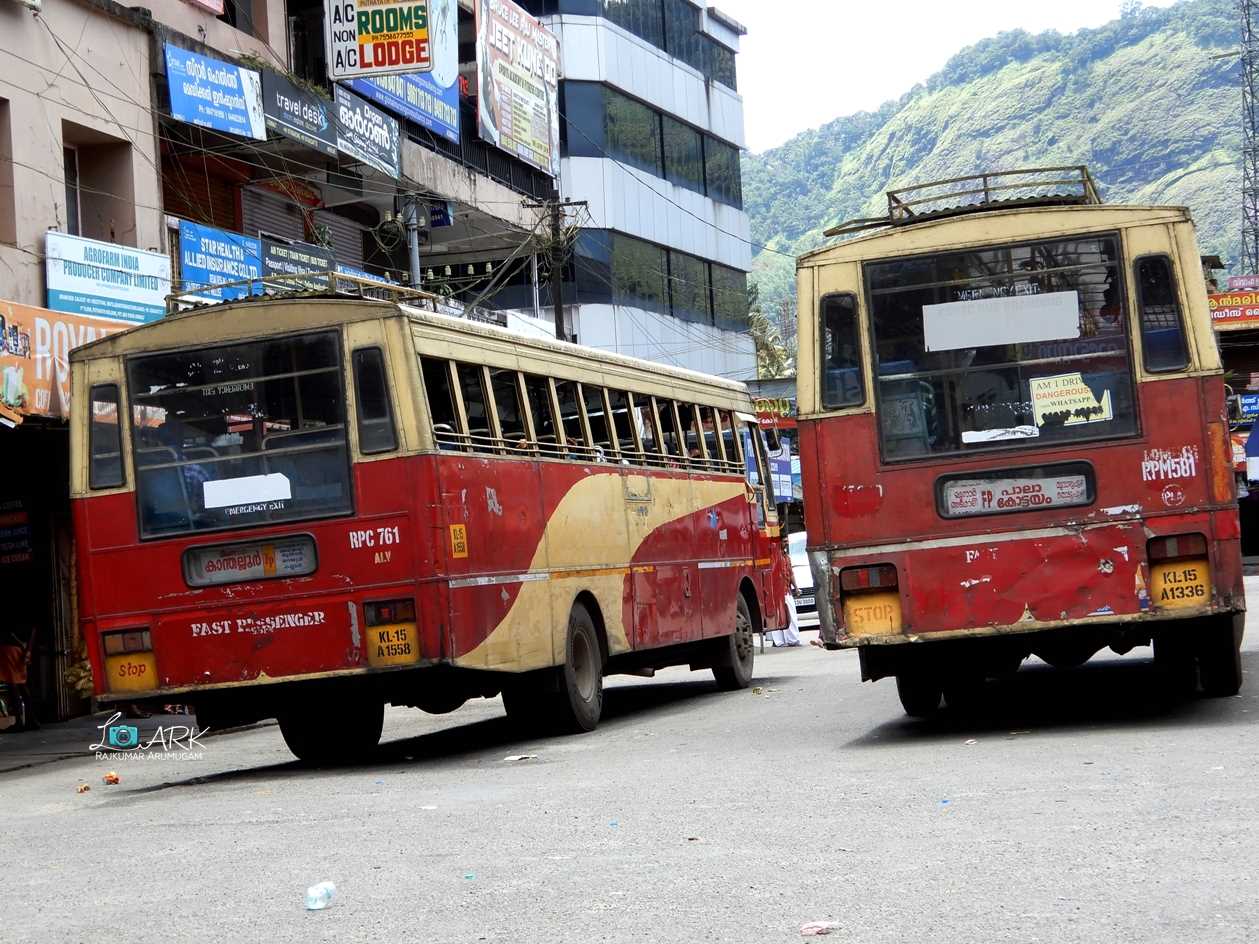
(920, 694)
(332, 732)
(1175, 663)
(580, 700)
(1219, 658)
(733, 669)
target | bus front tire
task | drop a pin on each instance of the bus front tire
(919, 693)
(1219, 658)
(733, 669)
(333, 732)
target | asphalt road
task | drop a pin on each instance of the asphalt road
(1086, 809)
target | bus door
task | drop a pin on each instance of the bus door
(761, 495)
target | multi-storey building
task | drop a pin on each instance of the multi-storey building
(651, 130)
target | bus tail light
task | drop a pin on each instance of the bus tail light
(1180, 572)
(391, 636)
(1177, 546)
(129, 662)
(1223, 485)
(871, 600)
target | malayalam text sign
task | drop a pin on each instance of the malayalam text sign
(367, 134)
(376, 37)
(518, 67)
(211, 93)
(89, 277)
(966, 497)
(35, 346)
(1234, 309)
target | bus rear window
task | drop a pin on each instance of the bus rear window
(240, 435)
(1021, 345)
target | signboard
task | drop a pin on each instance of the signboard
(518, 67)
(367, 134)
(88, 277)
(441, 214)
(1234, 310)
(15, 533)
(364, 274)
(965, 497)
(775, 412)
(35, 346)
(416, 97)
(1068, 399)
(298, 114)
(209, 257)
(1248, 403)
(1243, 283)
(376, 37)
(1025, 317)
(214, 94)
(780, 473)
(293, 259)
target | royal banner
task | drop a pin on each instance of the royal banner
(35, 346)
(1231, 310)
(376, 37)
(518, 67)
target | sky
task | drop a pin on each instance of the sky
(827, 58)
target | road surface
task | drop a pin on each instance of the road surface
(1086, 809)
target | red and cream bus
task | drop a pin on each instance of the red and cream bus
(1013, 438)
(307, 508)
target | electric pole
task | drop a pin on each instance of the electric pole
(1250, 135)
(557, 211)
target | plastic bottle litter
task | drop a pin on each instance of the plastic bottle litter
(319, 897)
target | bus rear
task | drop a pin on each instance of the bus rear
(1014, 442)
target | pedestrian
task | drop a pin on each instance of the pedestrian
(791, 635)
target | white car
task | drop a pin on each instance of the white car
(806, 604)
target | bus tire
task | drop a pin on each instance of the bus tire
(1219, 658)
(737, 654)
(331, 732)
(1175, 663)
(919, 693)
(579, 704)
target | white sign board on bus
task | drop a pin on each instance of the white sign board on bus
(1001, 319)
(364, 38)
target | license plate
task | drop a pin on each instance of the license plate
(873, 614)
(1180, 584)
(804, 601)
(132, 672)
(396, 644)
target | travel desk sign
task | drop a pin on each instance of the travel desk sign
(376, 37)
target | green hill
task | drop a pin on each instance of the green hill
(1140, 100)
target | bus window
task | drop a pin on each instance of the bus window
(447, 430)
(712, 436)
(688, 419)
(1001, 346)
(646, 421)
(597, 415)
(757, 469)
(240, 434)
(376, 431)
(842, 384)
(475, 407)
(623, 425)
(511, 414)
(105, 436)
(670, 438)
(729, 441)
(538, 390)
(1162, 330)
(570, 416)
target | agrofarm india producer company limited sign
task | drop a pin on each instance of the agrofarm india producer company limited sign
(376, 37)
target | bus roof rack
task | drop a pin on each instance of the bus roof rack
(976, 193)
(197, 296)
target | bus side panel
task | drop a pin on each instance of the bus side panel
(722, 540)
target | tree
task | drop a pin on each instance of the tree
(773, 358)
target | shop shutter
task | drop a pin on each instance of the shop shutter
(345, 237)
(200, 197)
(272, 214)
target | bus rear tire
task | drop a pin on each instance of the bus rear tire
(919, 693)
(1175, 663)
(737, 654)
(333, 732)
(579, 704)
(1219, 658)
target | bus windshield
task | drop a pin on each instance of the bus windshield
(1000, 346)
(238, 435)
